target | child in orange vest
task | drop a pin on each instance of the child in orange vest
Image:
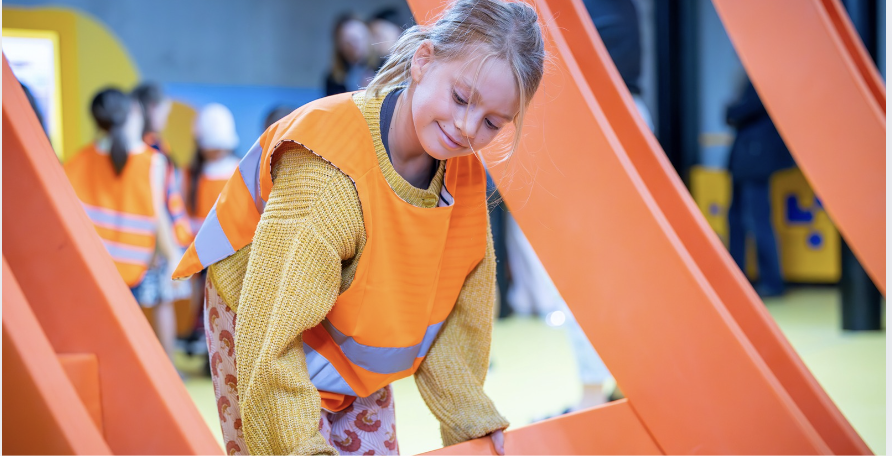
(351, 247)
(120, 182)
(211, 167)
(214, 161)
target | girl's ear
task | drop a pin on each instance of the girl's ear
(423, 56)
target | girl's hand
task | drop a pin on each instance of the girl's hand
(498, 442)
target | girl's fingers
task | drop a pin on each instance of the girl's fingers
(498, 442)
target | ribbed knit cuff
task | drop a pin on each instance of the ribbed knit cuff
(486, 422)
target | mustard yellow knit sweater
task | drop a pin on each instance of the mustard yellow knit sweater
(304, 254)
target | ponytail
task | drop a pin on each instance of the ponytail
(110, 109)
(194, 176)
(118, 151)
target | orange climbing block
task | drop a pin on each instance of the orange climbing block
(80, 302)
(44, 414)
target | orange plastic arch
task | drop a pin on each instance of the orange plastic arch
(828, 102)
(604, 196)
(699, 239)
(82, 305)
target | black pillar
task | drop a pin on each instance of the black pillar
(861, 300)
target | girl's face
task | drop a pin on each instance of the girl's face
(453, 113)
(132, 128)
(158, 115)
(353, 41)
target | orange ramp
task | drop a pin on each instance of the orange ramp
(693, 376)
(828, 103)
(80, 305)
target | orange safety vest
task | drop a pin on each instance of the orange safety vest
(208, 188)
(173, 193)
(413, 266)
(120, 207)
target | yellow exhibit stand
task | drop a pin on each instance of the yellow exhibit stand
(809, 244)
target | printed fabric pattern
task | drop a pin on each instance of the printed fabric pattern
(366, 427)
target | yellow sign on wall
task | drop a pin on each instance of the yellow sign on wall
(33, 56)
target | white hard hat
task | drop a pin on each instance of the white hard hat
(215, 128)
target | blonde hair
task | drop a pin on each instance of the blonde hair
(505, 30)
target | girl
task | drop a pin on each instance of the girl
(212, 166)
(155, 108)
(351, 248)
(155, 111)
(213, 162)
(353, 63)
(120, 182)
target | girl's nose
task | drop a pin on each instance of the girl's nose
(466, 127)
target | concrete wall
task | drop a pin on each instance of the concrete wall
(266, 43)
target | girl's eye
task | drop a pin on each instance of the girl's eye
(491, 125)
(458, 99)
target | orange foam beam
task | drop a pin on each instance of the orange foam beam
(612, 428)
(81, 302)
(44, 414)
(825, 99)
(697, 384)
(707, 250)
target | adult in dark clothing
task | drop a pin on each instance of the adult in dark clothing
(757, 152)
(617, 24)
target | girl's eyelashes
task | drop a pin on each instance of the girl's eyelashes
(461, 101)
(458, 99)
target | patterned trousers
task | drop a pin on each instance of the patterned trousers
(366, 427)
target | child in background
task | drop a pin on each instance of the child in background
(214, 160)
(121, 183)
(353, 62)
(156, 110)
(352, 247)
(211, 167)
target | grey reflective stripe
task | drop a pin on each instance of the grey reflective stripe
(120, 221)
(382, 360)
(249, 167)
(323, 375)
(123, 253)
(429, 337)
(211, 243)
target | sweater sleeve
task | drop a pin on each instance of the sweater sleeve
(293, 279)
(450, 379)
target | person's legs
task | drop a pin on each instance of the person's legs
(736, 228)
(368, 426)
(592, 371)
(771, 281)
(165, 326)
